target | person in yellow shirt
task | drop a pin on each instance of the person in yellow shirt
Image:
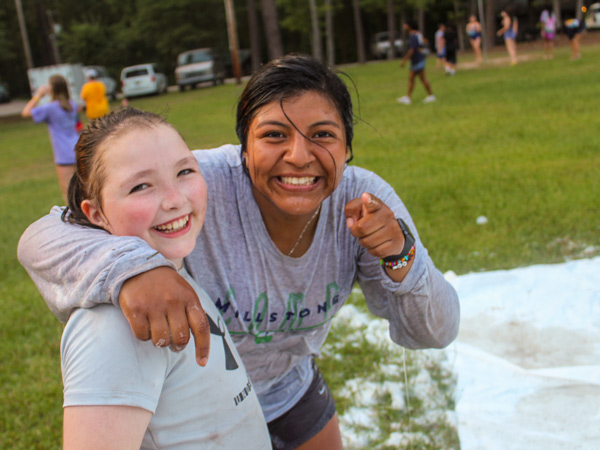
(93, 93)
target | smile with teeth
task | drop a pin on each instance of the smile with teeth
(174, 226)
(299, 181)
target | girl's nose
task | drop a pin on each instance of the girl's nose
(300, 152)
(173, 198)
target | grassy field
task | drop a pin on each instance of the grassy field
(518, 145)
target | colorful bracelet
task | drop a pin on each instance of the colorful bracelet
(399, 263)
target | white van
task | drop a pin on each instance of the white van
(592, 18)
(143, 79)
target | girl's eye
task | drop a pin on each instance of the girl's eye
(185, 172)
(139, 187)
(273, 134)
(323, 134)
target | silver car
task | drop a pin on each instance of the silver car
(381, 44)
(198, 66)
(143, 79)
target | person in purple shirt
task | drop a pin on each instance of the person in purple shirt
(60, 114)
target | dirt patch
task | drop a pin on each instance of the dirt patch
(530, 347)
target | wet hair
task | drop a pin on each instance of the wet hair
(89, 176)
(287, 77)
(60, 91)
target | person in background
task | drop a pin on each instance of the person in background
(60, 114)
(93, 93)
(440, 48)
(451, 45)
(573, 29)
(417, 64)
(290, 229)
(473, 29)
(135, 176)
(548, 25)
(509, 31)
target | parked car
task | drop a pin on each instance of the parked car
(142, 79)
(381, 44)
(4, 93)
(198, 66)
(109, 83)
(592, 19)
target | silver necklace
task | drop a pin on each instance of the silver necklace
(303, 230)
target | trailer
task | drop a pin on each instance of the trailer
(73, 73)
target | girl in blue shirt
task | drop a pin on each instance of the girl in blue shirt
(60, 114)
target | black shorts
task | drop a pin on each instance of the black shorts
(572, 32)
(306, 418)
(451, 56)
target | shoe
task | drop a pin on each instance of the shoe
(404, 100)
(429, 99)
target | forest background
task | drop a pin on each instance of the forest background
(119, 33)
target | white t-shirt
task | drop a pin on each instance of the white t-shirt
(212, 407)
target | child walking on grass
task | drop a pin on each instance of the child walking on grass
(417, 64)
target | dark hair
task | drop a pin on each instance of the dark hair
(88, 179)
(60, 91)
(412, 24)
(287, 77)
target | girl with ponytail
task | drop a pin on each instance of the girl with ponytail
(60, 114)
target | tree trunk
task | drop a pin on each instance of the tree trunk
(421, 19)
(358, 31)
(460, 26)
(272, 32)
(391, 20)
(316, 31)
(578, 11)
(557, 14)
(233, 40)
(490, 23)
(255, 53)
(329, 33)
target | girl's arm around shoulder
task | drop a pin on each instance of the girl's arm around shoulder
(75, 266)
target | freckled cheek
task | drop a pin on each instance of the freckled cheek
(198, 195)
(134, 220)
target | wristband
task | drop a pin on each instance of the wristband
(408, 251)
(400, 262)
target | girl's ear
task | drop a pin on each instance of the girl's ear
(94, 214)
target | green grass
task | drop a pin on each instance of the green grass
(519, 145)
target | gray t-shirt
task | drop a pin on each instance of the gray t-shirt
(278, 309)
(212, 407)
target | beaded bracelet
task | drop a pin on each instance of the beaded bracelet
(399, 263)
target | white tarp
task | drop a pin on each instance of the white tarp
(528, 358)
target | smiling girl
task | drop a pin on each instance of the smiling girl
(290, 229)
(135, 176)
